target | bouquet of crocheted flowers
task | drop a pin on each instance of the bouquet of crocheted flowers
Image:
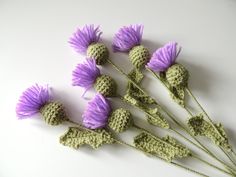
(101, 124)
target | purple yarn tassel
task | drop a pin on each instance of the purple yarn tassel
(164, 57)
(97, 112)
(31, 100)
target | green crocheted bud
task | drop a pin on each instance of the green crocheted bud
(139, 56)
(99, 52)
(53, 113)
(120, 120)
(105, 85)
(177, 76)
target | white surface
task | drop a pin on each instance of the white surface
(34, 48)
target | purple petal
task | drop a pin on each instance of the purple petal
(85, 74)
(31, 100)
(127, 37)
(164, 57)
(97, 112)
(82, 38)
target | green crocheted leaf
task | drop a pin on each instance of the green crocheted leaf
(157, 119)
(75, 137)
(167, 147)
(131, 100)
(137, 76)
(201, 127)
(176, 93)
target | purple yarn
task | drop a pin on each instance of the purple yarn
(164, 57)
(82, 38)
(85, 74)
(97, 112)
(127, 37)
(31, 100)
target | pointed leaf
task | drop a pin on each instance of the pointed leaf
(137, 76)
(201, 127)
(176, 93)
(167, 148)
(76, 137)
(157, 119)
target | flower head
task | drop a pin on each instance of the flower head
(82, 38)
(127, 37)
(164, 57)
(97, 112)
(85, 74)
(32, 100)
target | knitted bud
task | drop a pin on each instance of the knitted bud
(139, 56)
(120, 120)
(105, 85)
(177, 76)
(99, 52)
(53, 113)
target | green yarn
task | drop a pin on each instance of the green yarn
(176, 83)
(139, 56)
(75, 138)
(154, 117)
(53, 113)
(177, 76)
(167, 147)
(131, 100)
(199, 126)
(178, 95)
(157, 118)
(106, 86)
(120, 120)
(99, 52)
(136, 75)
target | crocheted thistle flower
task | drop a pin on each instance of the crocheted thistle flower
(37, 99)
(87, 75)
(99, 114)
(163, 60)
(128, 39)
(86, 41)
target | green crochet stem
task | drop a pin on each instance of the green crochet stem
(192, 155)
(210, 120)
(135, 148)
(175, 121)
(229, 157)
(189, 112)
(234, 153)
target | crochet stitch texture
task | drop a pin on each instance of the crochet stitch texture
(75, 138)
(53, 113)
(139, 56)
(99, 52)
(177, 76)
(105, 85)
(120, 120)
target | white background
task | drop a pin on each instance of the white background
(34, 49)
